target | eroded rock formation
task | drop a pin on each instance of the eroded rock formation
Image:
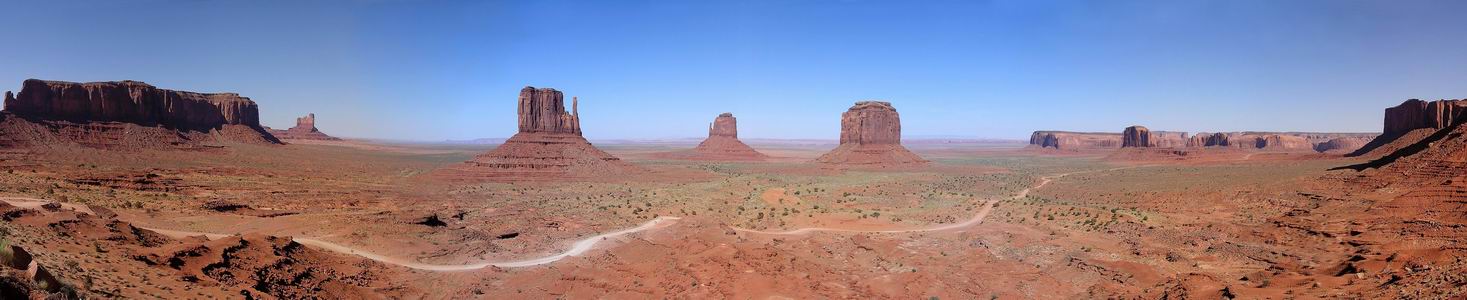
(305, 129)
(1136, 136)
(125, 114)
(871, 134)
(1413, 121)
(1066, 140)
(549, 146)
(1341, 145)
(723, 142)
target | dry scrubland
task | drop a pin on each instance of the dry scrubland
(1104, 229)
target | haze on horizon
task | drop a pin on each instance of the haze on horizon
(436, 70)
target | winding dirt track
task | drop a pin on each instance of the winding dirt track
(576, 249)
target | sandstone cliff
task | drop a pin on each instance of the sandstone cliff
(124, 115)
(871, 133)
(1135, 136)
(543, 110)
(1413, 121)
(1066, 140)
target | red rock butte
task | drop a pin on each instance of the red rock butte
(548, 147)
(871, 135)
(1413, 121)
(126, 115)
(305, 129)
(723, 142)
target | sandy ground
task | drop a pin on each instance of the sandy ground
(981, 222)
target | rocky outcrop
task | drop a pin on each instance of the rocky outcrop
(131, 102)
(723, 142)
(1066, 140)
(871, 135)
(1136, 136)
(125, 114)
(1412, 121)
(1341, 145)
(305, 129)
(1168, 139)
(543, 111)
(548, 147)
(1282, 142)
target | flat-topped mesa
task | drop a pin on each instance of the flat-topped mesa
(543, 110)
(548, 147)
(1413, 121)
(1136, 137)
(131, 102)
(871, 134)
(125, 115)
(1416, 114)
(871, 123)
(1067, 140)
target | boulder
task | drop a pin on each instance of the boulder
(871, 135)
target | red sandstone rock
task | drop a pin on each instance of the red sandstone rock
(1341, 145)
(1168, 139)
(1066, 140)
(1136, 136)
(1413, 121)
(549, 146)
(723, 142)
(305, 129)
(543, 110)
(871, 134)
(125, 115)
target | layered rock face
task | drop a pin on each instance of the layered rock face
(1135, 136)
(549, 146)
(305, 129)
(723, 142)
(1066, 140)
(871, 134)
(1342, 145)
(1412, 121)
(126, 114)
(543, 110)
(1168, 139)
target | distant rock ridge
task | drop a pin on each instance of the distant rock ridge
(723, 142)
(1069, 140)
(548, 147)
(871, 134)
(305, 129)
(125, 114)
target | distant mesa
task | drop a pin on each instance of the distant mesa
(1068, 140)
(126, 115)
(305, 129)
(723, 142)
(1413, 121)
(549, 146)
(1136, 137)
(871, 135)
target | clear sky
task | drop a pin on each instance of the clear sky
(435, 70)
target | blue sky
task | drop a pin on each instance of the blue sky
(435, 70)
